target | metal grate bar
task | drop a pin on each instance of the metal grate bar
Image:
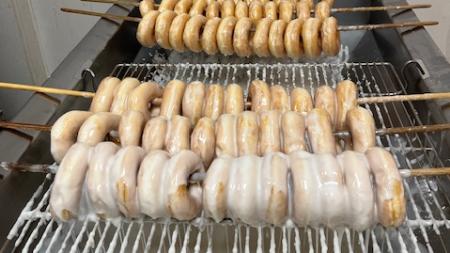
(426, 227)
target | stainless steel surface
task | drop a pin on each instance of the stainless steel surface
(426, 228)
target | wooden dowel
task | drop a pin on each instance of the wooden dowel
(414, 129)
(380, 8)
(103, 15)
(401, 98)
(28, 87)
(425, 172)
(18, 125)
(385, 26)
(123, 2)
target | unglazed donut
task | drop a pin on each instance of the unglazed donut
(276, 42)
(167, 5)
(293, 39)
(213, 10)
(279, 98)
(241, 10)
(146, 29)
(176, 32)
(311, 37)
(198, 8)
(227, 8)
(208, 40)
(191, 34)
(303, 10)
(256, 11)
(146, 6)
(241, 37)
(322, 11)
(271, 10)
(331, 42)
(225, 35)
(286, 10)
(234, 99)
(183, 6)
(260, 41)
(325, 98)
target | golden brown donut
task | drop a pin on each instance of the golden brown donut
(208, 40)
(293, 39)
(323, 10)
(276, 38)
(330, 2)
(167, 5)
(271, 10)
(260, 96)
(227, 8)
(301, 100)
(176, 32)
(225, 35)
(325, 98)
(303, 10)
(191, 34)
(310, 3)
(162, 28)
(213, 10)
(146, 29)
(183, 6)
(234, 99)
(198, 7)
(214, 100)
(256, 11)
(361, 125)
(331, 43)
(145, 6)
(260, 41)
(286, 10)
(241, 37)
(311, 37)
(279, 98)
(346, 95)
(241, 10)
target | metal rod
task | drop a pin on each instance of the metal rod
(19, 125)
(100, 14)
(425, 172)
(124, 2)
(386, 26)
(380, 8)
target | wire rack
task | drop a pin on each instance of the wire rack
(426, 228)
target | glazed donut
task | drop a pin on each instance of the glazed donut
(64, 132)
(276, 38)
(269, 132)
(184, 199)
(320, 132)
(260, 41)
(167, 5)
(225, 35)
(183, 7)
(346, 94)
(241, 10)
(226, 135)
(198, 8)
(154, 135)
(260, 96)
(130, 128)
(227, 8)
(286, 9)
(171, 100)
(97, 126)
(293, 132)
(256, 11)
(99, 187)
(293, 39)
(192, 33)
(203, 140)
(213, 10)
(361, 125)
(146, 29)
(124, 172)
(126, 87)
(141, 97)
(303, 10)
(176, 32)
(301, 100)
(247, 133)
(192, 104)
(213, 104)
(234, 99)
(331, 42)
(178, 134)
(162, 27)
(323, 10)
(241, 37)
(68, 184)
(104, 95)
(311, 37)
(279, 98)
(271, 10)
(390, 196)
(325, 98)
(145, 6)
(208, 40)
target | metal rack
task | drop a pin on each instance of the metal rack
(426, 228)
